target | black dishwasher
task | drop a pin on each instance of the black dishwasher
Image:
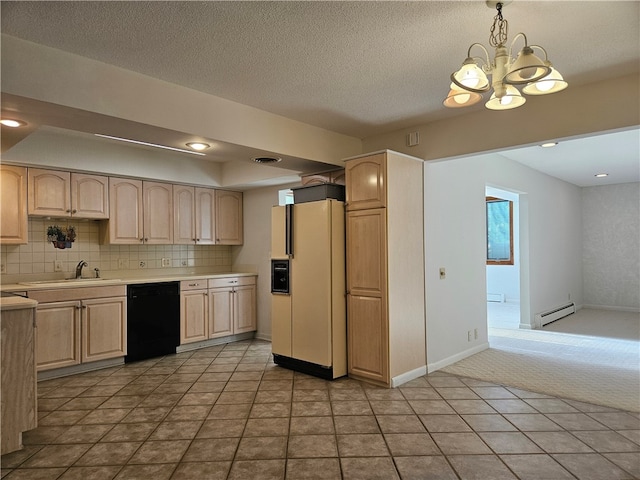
(153, 320)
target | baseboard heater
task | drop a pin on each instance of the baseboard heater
(545, 318)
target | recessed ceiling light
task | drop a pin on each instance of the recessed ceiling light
(601, 175)
(199, 146)
(9, 122)
(138, 142)
(264, 160)
(549, 144)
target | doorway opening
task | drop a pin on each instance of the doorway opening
(503, 259)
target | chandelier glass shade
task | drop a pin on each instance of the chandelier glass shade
(535, 75)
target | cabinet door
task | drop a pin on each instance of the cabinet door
(157, 212)
(58, 335)
(125, 204)
(89, 196)
(205, 202)
(194, 308)
(244, 309)
(366, 252)
(220, 312)
(13, 205)
(229, 229)
(49, 193)
(104, 328)
(366, 182)
(368, 344)
(184, 227)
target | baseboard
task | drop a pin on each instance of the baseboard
(187, 347)
(263, 336)
(432, 367)
(408, 376)
(612, 308)
(81, 368)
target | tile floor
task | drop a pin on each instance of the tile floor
(228, 412)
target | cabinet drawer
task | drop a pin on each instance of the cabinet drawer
(193, 285)
(231, 281)
(81, 293)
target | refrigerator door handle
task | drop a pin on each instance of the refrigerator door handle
(288, 229)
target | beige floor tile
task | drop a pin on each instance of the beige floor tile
(146, 472)
(617, 420)
(242, 386)
(362, 445)
(302, 395)
(383, 394)
(311, 426)
(205, 398)
(146, 414)
(420, 393)
(460, 443)
(310, 409)
(172, 388)
(184, 430)
(558, 442)
(273, 396)
(211, 449)
(313, 469)
(607, 441)
(471, 406)
(222, 428)
(380, 468)
(42, 435)
(356, 424)
(493, 392)
(130, 432)
(550, 405)
(80, 403)
(590, 466)
(35, 474)
(424, 468)
(51, 404)
(230, 411)
(435, 407)
(400, 424)
(629, 462)
(347, 394)
(104, 415)
(351, 408)
(264, 410)
(64, 417)
(460, 393)
(488, 423)
(161, 400)
(233, 397)
(202, 470)
(256, 448)
(206, 387)
(311, 446)
(163, 451)
(390, 407)
(91, 473)
(576, 421)
(409, 444)
(257, 470)
(480, 467)
(533, 422)
(536, 467)
(123, 401)
(108, 453)
(15, 459)
(56, 456)
(509, 442)
(83, 434)
(266, 427)
(511, 406)
(188, 413)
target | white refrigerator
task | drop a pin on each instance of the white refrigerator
(308, 313)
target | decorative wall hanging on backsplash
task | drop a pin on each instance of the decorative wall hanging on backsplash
(61, 237)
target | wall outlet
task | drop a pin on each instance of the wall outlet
(468, 335)
(475, 333)
(183, 263)
(166, 262)
(142, 264)
(443, 273)
(57, 265)
(3, 268)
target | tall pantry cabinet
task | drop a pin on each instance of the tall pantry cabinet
(385, 268)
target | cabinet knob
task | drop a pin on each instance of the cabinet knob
(68, 210)
(74, 211)
(146, 239)
(197, 239)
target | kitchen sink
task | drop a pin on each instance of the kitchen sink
(65, 281)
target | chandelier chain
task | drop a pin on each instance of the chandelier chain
(499, 38)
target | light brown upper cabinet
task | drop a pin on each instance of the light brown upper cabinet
(366, 185)
(141, 212)
(13, 205)
(54, 193)
(229, 227)
(193, 215)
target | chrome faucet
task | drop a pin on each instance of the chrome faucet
(81, 264)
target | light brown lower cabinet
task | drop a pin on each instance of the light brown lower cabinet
(87, 325)
(19, 398)
(217, 308)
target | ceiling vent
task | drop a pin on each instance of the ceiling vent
(266, 160)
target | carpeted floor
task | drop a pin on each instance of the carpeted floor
(594, 369)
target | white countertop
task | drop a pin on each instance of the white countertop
(95, 282)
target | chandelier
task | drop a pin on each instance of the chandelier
(537, 76)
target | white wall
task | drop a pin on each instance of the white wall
(611, 246)
(551, 253)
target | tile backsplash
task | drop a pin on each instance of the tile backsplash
(38, 257)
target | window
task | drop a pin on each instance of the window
(499, 231)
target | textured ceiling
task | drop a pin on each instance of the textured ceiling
(357, 68)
